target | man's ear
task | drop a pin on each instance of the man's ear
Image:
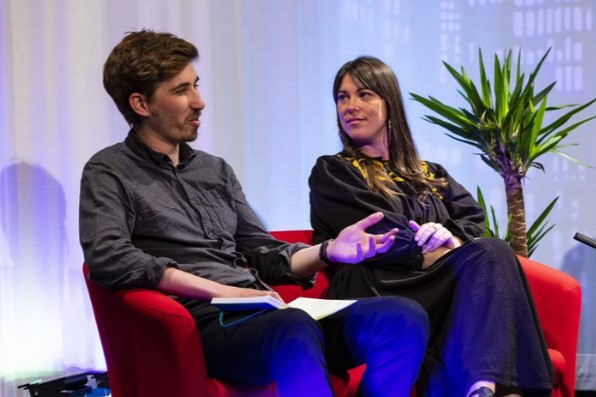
(138, 103)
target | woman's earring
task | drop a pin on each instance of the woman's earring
(389, 125)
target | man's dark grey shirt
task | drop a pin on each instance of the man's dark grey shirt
(139, 214)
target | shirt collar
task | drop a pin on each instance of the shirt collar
(161, 159)
(345, 154)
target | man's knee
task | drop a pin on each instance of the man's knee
(294, 329)
(396, 314)
(405, 311)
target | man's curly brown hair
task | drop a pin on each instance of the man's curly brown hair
(140, 62)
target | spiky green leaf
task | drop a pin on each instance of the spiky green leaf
(504, 119)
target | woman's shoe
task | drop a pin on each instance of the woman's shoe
(482, 392)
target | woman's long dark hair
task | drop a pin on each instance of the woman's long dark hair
(373, 74)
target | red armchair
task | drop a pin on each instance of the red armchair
(557, 297)
(152, 346)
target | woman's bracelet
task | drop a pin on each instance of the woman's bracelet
(323, 252)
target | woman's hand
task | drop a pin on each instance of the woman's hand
(353, 244)
(430, 236)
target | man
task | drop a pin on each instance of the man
(155, 213)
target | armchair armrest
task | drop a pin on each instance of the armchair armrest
(557, 297)
(179, 344)
(151, 343)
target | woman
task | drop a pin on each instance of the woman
(485, 336)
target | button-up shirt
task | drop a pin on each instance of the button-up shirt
(140, 214)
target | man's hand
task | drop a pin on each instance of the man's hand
(353, 244)
(430, 236)
(228, 291)
(178, 282)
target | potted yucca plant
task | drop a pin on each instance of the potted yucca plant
(505, 122)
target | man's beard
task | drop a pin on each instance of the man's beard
(184, 132)
(194, 135)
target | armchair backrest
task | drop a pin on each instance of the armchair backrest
(291, 292)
